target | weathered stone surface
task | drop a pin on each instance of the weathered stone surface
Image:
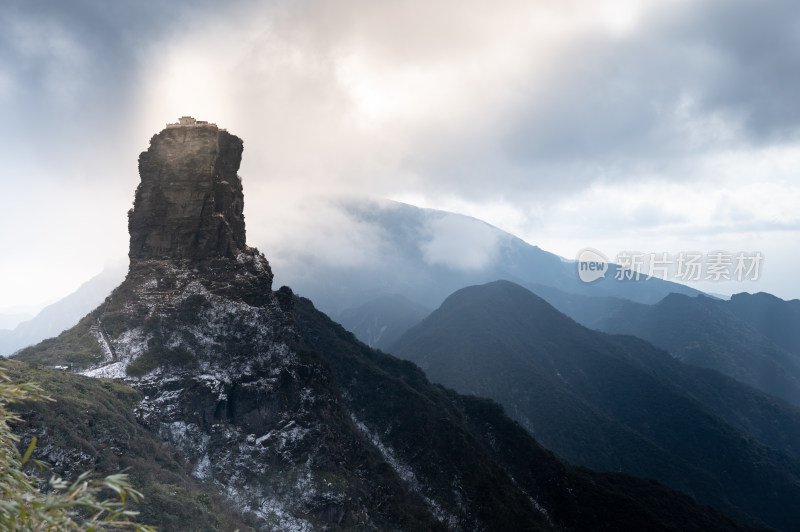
(189, 202)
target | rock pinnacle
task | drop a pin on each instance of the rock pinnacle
(189, 203)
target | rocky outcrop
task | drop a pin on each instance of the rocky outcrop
(189, 202)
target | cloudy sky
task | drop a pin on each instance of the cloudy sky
(658, 126)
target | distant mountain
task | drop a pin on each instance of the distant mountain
(752, 338)
(9, 320)
(427, 254)
(757, 413)
(62, 314)
(381, 321)
(612, 403)
(773, 317)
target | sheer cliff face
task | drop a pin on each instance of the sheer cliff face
(189, 202)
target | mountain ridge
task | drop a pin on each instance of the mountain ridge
(751, 338)
(594, 399)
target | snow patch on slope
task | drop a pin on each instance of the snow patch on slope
(108, 355)
(115, 370)
(271, 510)
(126, 348)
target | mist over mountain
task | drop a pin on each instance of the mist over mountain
(425, 255)
(381, 321)
(385, 250)
(9, 320)
(293, 423)
(614, 403)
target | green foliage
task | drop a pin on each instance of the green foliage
(158, 354)
(115, 323)
(86, 504)
(190, 308)
(75, 347)
(93, 422)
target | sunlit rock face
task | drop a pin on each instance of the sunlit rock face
(189, 202)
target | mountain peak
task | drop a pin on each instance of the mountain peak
(189, 203)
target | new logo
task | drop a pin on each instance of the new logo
(592, 265)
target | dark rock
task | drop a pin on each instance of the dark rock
(189, 202)
(285, 298)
